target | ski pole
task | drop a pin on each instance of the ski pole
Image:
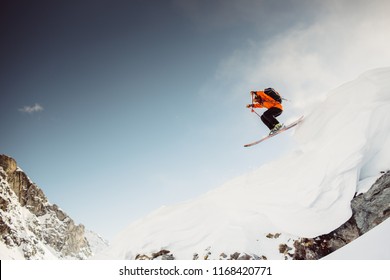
(252, 110)
(256, 113)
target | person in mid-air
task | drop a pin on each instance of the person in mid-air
(271, 100)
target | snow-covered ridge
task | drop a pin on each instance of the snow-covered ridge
(33, 228)
(343, 142)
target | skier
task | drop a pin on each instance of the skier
(270, 99)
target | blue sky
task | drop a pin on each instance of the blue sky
(115, 108)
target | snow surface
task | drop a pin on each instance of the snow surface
(341, 147)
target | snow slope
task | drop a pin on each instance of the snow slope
(343, 143)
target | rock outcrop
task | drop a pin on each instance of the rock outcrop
(33, 226)
(369, 209)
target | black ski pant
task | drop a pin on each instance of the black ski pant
(269, 119)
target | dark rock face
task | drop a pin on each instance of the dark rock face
(316, 248)
(373, 207)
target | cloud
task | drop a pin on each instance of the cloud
(307, 60)
(31, 109)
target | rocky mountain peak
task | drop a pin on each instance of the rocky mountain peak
(8, 164)
(32, 227)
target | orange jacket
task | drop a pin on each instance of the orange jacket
(266, 101)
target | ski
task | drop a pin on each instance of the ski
(287, 127)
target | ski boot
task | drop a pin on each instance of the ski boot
(276, 129)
